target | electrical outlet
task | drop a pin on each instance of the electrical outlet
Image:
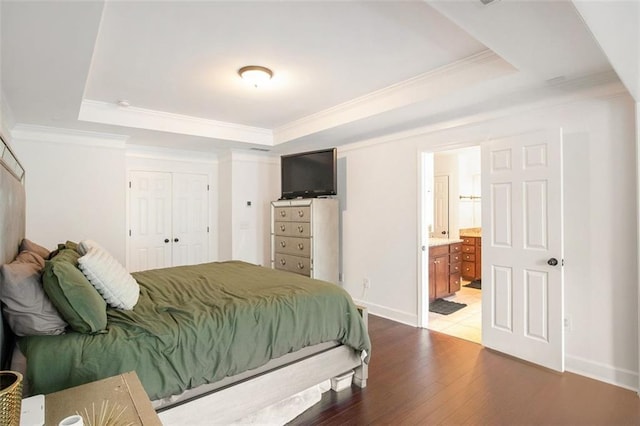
(567, 323)
(366, 283)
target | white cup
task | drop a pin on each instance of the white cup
(74, 420)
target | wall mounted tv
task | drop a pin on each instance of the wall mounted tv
(309, 174)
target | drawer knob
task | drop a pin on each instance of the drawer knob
(300, 246)
(301, 213)
(300, 265)
(283, 228)
(283, 262)
(300, 229)
(283, 213)
(283, 243)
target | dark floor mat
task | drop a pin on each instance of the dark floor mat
(444, 307)
(477, 284)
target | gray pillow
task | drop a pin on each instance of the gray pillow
(26, 306)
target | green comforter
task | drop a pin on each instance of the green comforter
(197, 324)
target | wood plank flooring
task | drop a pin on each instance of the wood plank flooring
(418, 376)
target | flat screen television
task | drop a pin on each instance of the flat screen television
(309, 174)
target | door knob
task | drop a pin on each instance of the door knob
(444, 232)
(166, 240)
(553, 261)
(175, 240)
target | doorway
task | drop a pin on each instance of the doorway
(452, 196)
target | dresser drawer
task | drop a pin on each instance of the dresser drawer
(468, 257)
(468, 249)
(468, 241)
(300, 229)
(292, 229)
(292, 245)
(468, 269)
(297, 264)
(455, 258)
(454, 268)
(292, 214)
(455, 248)
(454, 282)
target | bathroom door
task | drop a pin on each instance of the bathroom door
(441, 206)
(522, 246)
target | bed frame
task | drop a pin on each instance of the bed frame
(229, 399)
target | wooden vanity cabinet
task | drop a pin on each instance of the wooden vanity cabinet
(445, 264)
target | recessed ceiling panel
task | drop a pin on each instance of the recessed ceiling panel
(183, 57)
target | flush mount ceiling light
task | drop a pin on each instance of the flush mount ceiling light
(255, 74)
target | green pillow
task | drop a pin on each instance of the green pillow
(69, 244)
(72, 294)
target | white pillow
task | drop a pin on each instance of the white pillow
(109, 277)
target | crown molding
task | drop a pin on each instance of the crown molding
(67, 136)
(433, 84)
(170, 154)
(141, 118)
(607, 86)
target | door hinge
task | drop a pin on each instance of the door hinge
(207, 229)
(207, 187)
(129, 232)
(129, 184)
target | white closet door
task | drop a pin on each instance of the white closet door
(150, 220)
(190, 219)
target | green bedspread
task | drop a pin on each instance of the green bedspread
(196, 325)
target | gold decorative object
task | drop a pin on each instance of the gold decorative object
(106, 416)
(10, 398)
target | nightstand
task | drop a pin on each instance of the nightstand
(123, 392)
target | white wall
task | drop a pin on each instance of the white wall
(249, 179)
(380, 226)
(78, 190)
(74, 192)
(469, 210)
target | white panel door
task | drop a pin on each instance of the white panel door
(190, 219)
(522, 247)
(441, 207)
(150, 220)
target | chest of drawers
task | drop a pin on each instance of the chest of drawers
(304, 237)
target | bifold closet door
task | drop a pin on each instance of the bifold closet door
(150, 220)
(190, 219)
(168, 219)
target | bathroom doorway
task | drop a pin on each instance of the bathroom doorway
(454, 260)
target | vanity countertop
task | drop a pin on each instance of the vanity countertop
(471, 232)
(443, 241)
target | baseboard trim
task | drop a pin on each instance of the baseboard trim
(390, 314)
(605, 373)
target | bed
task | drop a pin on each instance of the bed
(240, 335)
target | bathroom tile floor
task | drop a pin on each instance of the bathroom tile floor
(465, 323)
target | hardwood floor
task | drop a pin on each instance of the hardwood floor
(418, 376)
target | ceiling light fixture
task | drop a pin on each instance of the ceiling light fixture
(255, 74)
